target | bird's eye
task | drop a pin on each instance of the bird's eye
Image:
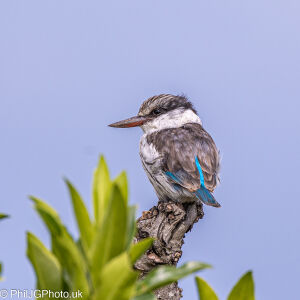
(156, 111)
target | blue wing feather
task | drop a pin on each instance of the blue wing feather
(200, 171)
(173, 177)
(176, 185)
(203, 194)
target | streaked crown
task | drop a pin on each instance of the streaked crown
(163, 103)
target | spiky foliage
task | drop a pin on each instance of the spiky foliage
(100, 263)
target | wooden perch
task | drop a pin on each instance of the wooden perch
(168, 222)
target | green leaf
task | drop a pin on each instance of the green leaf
(131, 225)
(64, 248)
(117, 280)
(204, 290)
(165, 275)
(138, 249)
(3, 216)
(149, 296)
(48, 215)
(101, 190)
(112, 235)
(122, 183)
(45, 264)
(244, 289)
(82, 216)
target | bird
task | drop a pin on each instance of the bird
(178, 155)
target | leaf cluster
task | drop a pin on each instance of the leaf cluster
(100, 262)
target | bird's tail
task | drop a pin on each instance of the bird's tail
(204, 195)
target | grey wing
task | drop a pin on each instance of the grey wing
(181, 146)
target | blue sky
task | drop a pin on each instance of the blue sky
(69, 68)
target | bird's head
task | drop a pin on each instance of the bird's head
(162, 111)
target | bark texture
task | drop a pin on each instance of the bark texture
(168, 222)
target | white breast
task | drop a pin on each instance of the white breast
(152, 164)
(147, 151)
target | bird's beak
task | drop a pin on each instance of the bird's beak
(131, 122)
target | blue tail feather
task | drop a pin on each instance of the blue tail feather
(206, 197)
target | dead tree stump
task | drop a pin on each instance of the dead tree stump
(168, 222)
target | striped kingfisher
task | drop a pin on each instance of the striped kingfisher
(179, 157)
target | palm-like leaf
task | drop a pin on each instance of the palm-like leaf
(244, 289)
(100, 262)
(167, 274)
(2, 216)
(204, 290)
